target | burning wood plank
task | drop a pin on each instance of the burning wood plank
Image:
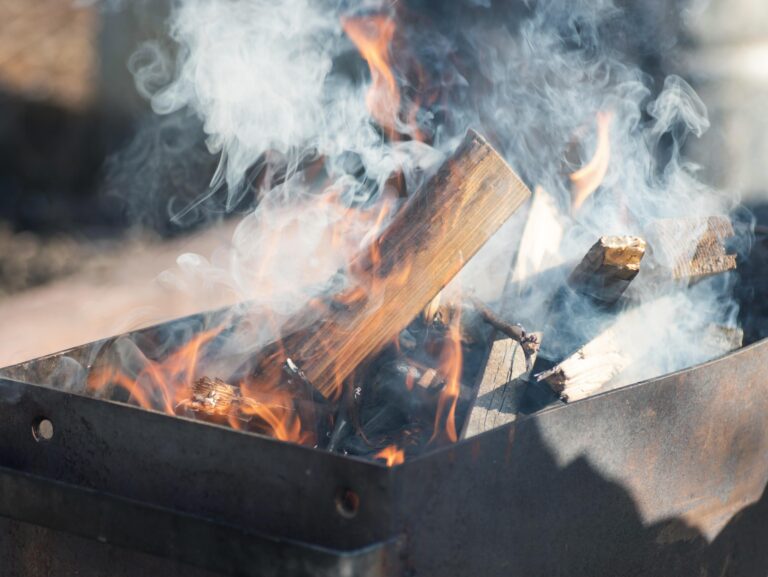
(501, 387)
(691, 248)
(213, 397)
(608, 268)
(438, 229)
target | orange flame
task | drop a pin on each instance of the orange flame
(589, 177)
(392, 455)
(450, 366)
(372, 36)
(167, 384)
(159, 385)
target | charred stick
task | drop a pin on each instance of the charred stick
(528, 341)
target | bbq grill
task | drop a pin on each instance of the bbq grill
(654, 478)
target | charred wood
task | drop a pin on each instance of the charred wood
(528, 342)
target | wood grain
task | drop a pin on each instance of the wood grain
(430, 239)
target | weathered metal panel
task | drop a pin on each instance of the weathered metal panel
(661, 477)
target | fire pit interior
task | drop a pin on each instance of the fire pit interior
(476, 275)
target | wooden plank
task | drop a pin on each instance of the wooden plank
(430, 239)
(691, 248)
(501, 387)
(503, 380)
(539, 247)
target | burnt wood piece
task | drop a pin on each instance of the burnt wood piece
(213, 397)
(691, 248)
(501, 387)
(529, 342)
(430, 239)
(608, 267)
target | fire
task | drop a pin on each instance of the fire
(158, 385)
(589, 177)
(451, 362)
(373, 36)
(392, 455)
(169, 384)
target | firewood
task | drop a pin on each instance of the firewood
(430, 239)
(624, 347)
(586, 371)
(529, 343)
(608, 268)
(540, 242)
(691, 248)
(213, 397)
(501, 387)
(593, 366)
(512, 353)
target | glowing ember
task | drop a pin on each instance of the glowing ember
(588, 178)
(392, 455)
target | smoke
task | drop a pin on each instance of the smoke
(277, 85)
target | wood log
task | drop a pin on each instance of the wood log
(691, 248)
(608, 268)
(586, 371)
(213, 397)
(625, 347)
(501, 387)
(430, 239)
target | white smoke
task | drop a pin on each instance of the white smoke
(267, 76)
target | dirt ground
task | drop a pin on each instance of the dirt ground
(117, 291)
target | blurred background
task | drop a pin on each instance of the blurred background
(89, 175)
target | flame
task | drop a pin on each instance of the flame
(278, 418)
(450, 367)
(372, 36)
(167, 384)
(159, 385)
(589, 177)
(392, 455)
